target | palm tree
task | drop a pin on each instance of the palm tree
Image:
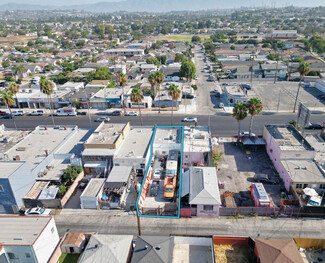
(160, 77)
(13, 87)
(17, 69)
(239, 113)
(8, 99)
(153, 82)
(175, 93)
(47, 87)
(303, 69)
(122, 80)
(254, 107)
(137, 97)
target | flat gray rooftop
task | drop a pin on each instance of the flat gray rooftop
(168, 135)
(135, 144)
(76, 143)
(8, 168)
(106, 133)
(34, 146)
(21, 230)
(93, 187)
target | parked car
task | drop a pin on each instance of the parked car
(246, 86)
(132, 113)
(157, 174)
(114, 113)
(196, 78)
(190, 119)
(8, 116)
(154, 189)
(246, 134)
(17, 113)
(104, 119)
(38, 211)
(37, 113)
(187, 96)
(2, 113)
(82, 185)
(81, 113)
(263, 178)
(315, 126)
(321, 97)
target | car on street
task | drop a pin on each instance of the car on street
(190, 119)
(81, 113)
(2, 113)
(104, 119)
(154, 189)
(8, 116)
(315, 126)
(196, 78)
(38, 211)
(37, 113)
(187, 96)
(114, 113)
(157, 174)
(263, 178)
(18, 113)
(131, 113)
(246, 134)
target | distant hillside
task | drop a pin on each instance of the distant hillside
(160, 5)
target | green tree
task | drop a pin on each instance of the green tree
(14, 89)
(239, 113)
(196, 39)
(47, 87)
(137, 97)
(153, 82)
(5, 64)
(254, 107)
(175, 93)
(187, 71)
(18, 69)
(8, 99)
(153, 60)
(160, 78)
(122, 81)
(179, 57)
(303, 70)
(31, 59)
(101, 73)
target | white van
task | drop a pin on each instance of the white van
(37, 113)
(66, 111)
(17, 113)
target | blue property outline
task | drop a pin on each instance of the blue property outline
(180, 171)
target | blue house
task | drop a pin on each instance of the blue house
(16, 180)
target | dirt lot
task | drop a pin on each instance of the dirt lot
(231, 254)
(15, 40)
(237, 169)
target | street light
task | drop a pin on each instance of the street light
(134, 176)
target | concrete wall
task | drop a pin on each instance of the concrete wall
(72, 188)
(203, 213)
(21, 181)
(46, 242)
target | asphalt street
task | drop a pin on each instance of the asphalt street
(221, 124)
(111, 222)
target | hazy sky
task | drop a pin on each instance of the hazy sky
(278, 3)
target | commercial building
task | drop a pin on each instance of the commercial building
(27, 239)
(234, 94)
(109, 98)
(272, 70)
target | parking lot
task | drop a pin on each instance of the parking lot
(237, 169)
(281, 95)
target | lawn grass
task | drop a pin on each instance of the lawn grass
(68, 258)
(179, 37)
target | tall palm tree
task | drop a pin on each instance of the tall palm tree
(47, 87)
(153, 82)
(18, 69)
(122, 81)
(303, 69)
(137, 97)
(13, 87)
(160, 77)
(254, 107)
(8, 99)
(239, 113)
(175, 93)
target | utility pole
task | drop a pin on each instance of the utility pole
(88, 103)
(253, 56)
(277, 110)
(277, 66)
(136, 199)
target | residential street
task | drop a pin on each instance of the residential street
(115, 222)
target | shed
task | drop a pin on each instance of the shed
(73, 243)
(118, 177)
(92, 194)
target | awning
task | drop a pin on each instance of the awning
(253, 141)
